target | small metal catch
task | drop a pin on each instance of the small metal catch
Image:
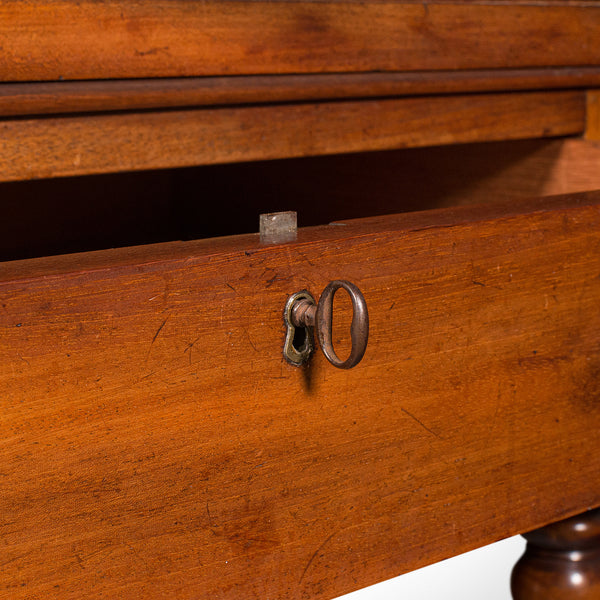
(278, 228)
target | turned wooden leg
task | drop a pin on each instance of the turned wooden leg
(561, 561)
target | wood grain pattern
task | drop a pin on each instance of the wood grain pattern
(156, 443)
(73, 39)
(131, 94)
(51, 147)
(592, 130)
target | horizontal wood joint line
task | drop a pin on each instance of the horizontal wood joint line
(38, 98)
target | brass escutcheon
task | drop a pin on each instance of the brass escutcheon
(302, 315)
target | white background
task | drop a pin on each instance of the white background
(483, 574)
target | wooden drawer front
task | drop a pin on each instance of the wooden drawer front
(169, 38)
(155, 443)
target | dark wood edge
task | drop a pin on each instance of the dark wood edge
(248, 244)
(39, 98)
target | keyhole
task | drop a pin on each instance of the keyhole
(299, 340)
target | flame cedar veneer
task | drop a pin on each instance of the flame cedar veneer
(157, 443)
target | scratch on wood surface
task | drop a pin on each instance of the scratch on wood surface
(250, 340)
(210, 524)
(14, 559)
(327, 540)
(305, 258)
(420, 423)
(189, 348)
(151, 51)
(314, 555)
(158, 331)
(155, 336)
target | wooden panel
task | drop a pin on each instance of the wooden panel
(51, 147)
(155, 442)
(102, 96)
(73, 39)
(592, 130)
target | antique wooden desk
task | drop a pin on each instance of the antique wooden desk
(155, 442)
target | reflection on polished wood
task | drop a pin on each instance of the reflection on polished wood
(561, 562)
